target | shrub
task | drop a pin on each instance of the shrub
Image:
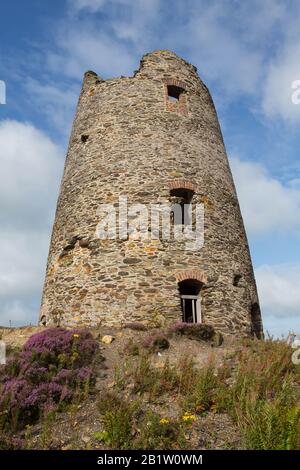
(138, 326)
(52, 369)
(156, 342)
(201, 394)
(144, 375)
(160, 433)
(264, 369)
(132, 348)
(117, 417)
(108, 401)
(272, 426)
(118, 425)
(197, 331)
(11, 443)
(264, 397)
(128, 426)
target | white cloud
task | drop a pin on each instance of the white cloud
(21, 267)
(241, 48)
(56, 101)
(94, 6)
(81, 47)
(230, 44)
(258, 20)
(31, 166)
(282, 69)
(267, 205)
(218, 50)
(217, 36)
(112, 47)
(23, 257)
(278, 288)
(278, 91)
(91, 5)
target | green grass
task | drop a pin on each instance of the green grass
(261, 394)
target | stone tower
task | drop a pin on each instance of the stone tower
(154, 138)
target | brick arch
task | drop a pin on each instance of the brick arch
(173, 82)
(196, 274)
(182, 184)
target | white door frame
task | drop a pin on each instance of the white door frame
(197, 317)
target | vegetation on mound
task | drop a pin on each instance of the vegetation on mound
(51, 370)
(198, 331)
(156, 342)
(261, 394)
(137, 326)
(153, 403)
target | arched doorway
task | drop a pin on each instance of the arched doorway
(190, 298)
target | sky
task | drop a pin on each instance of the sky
(246, 52)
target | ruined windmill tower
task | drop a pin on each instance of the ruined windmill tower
(152, 137)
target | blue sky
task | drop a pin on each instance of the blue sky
(247, 53)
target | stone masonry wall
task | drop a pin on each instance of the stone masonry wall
(129, 139)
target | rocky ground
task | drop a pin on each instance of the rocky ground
(122, 369)
(75, 428)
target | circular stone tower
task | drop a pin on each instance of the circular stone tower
(153, 138)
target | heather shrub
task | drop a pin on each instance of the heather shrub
(197, 331)
(137, 326)
(53, 368)
(156, 342)
(11, 442)
(132, 348)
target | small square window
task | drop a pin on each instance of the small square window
(174, 92)
(175, 98)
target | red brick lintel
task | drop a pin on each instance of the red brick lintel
(178, 83)
(191, 274)
(182, 184)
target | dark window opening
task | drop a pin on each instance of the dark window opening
(190, 300)
(174, 92)
(84, 138)
(236, 279)
(181, 199)
(256, 325)
(43, 321)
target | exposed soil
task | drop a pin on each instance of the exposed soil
(74, 428)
